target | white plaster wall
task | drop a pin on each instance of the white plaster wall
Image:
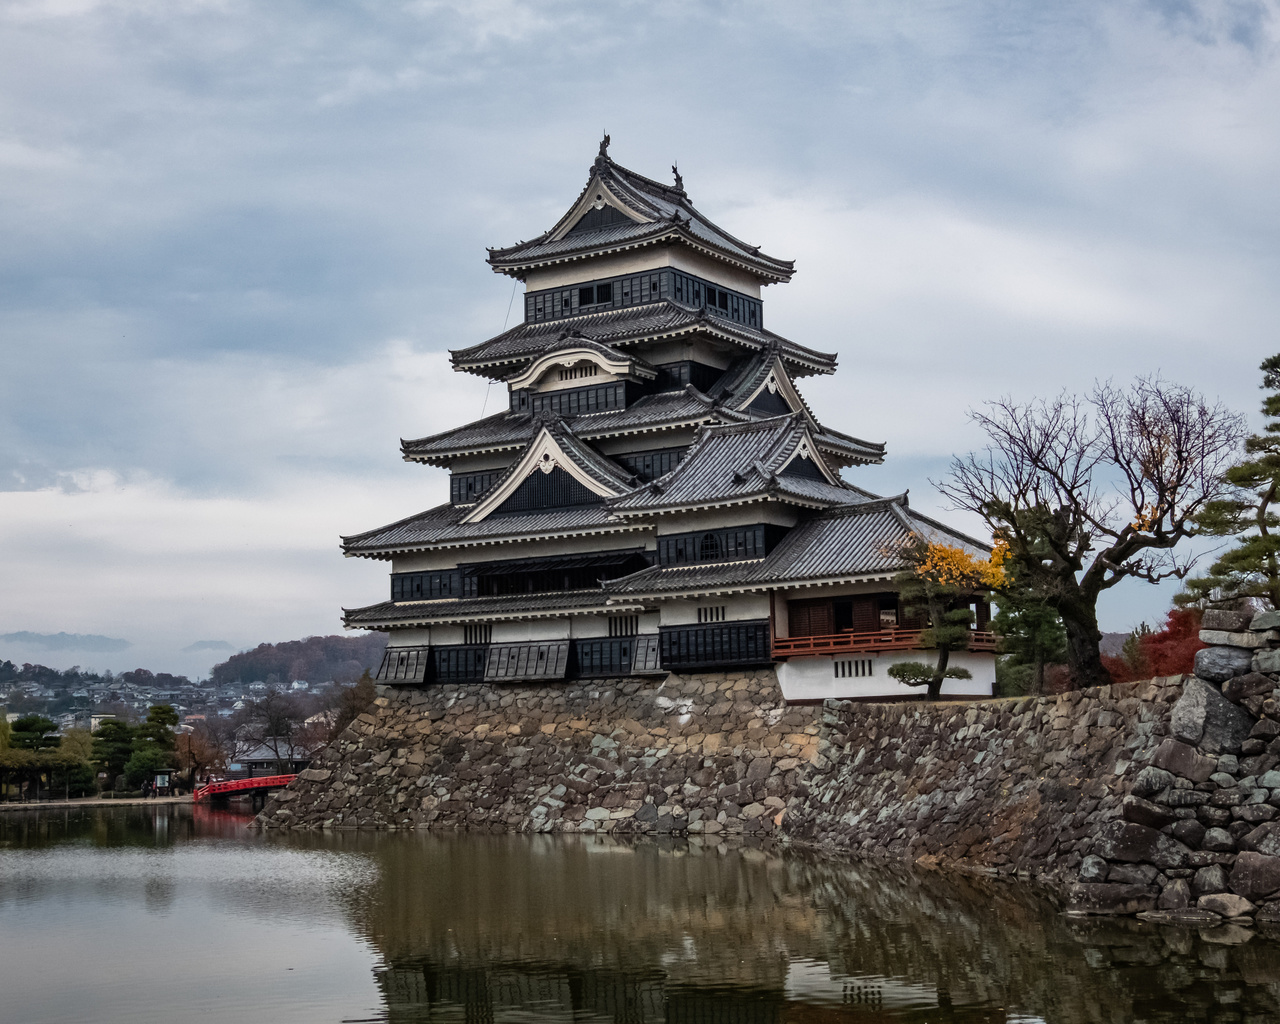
(815, 679)
(586, 626)
(651, 258)
(737, 607)
(550, 380)
(415, 637)
(538, 629)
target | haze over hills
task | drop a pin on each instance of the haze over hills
(72, 695)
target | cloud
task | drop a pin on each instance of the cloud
(242, 238)
(67, 642)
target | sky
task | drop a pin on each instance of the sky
(238, 239)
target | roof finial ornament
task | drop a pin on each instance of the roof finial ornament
(604, 146)
(679, 180)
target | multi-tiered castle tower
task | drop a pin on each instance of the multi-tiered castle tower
(658, 497)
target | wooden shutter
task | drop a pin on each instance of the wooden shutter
(866, 614)
(810, 618)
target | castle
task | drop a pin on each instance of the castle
(657, 497)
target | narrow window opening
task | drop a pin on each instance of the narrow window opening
(479, 634)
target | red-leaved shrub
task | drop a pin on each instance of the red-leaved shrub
(1170, 652)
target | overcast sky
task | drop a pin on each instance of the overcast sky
(237, 239)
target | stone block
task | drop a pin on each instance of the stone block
(1264, 839)
(1221, 638)
(1108, 898)
(1212, 878)
(1175, 896)
(1251, 684)
(1269, 619)
(1269, 779)
(1266, 661)
(1190, 832)
(1093, 869)
(1189, 917)
(1151, 780)
(1224, 903)
(1129, 842)
(1255, 875)
(1205, 717)
(1265, 729)
(1218, 840)
(1231, 621)
(1144, 812)
(1184, 760)
(1132, 874)
(1218, 664)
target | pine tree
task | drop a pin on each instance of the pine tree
(1031, 634)
(927, 585)
(1252, 567)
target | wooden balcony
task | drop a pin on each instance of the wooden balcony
(875, 642)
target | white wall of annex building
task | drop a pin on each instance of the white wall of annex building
(816, 679)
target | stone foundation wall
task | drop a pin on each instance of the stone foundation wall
(698, 754)
(1002, 786)
(1153, 797)
(1197, 839)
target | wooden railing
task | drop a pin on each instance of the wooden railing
(866, 643)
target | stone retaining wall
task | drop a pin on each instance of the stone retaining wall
(1149, 798)
(1003, 786)
(698, 753)
(1197, 838)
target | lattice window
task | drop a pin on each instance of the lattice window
(478, 634)
(855, 668)
(624, 625)
(712, 613)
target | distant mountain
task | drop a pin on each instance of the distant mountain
(67, 642)
(317, 659)
(207, 645)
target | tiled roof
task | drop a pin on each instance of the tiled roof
(511, 606)
(440, 527)
(513, 430)
(745, 377)
(845, 542)
(734, 463)
(667, 216)
(493, 433)
(507, 352)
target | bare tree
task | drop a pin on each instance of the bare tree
(1087, 492)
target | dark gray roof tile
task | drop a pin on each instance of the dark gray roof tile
(845, 542)
(668, 216)
(405, 613)
(510, 351)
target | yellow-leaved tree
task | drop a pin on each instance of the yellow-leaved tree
(936, 576)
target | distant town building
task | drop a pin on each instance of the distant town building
(658, 496)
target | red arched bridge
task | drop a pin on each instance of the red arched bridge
(233, 787)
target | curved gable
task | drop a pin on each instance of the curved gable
(565, 482)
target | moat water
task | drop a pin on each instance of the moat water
(170, 913)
